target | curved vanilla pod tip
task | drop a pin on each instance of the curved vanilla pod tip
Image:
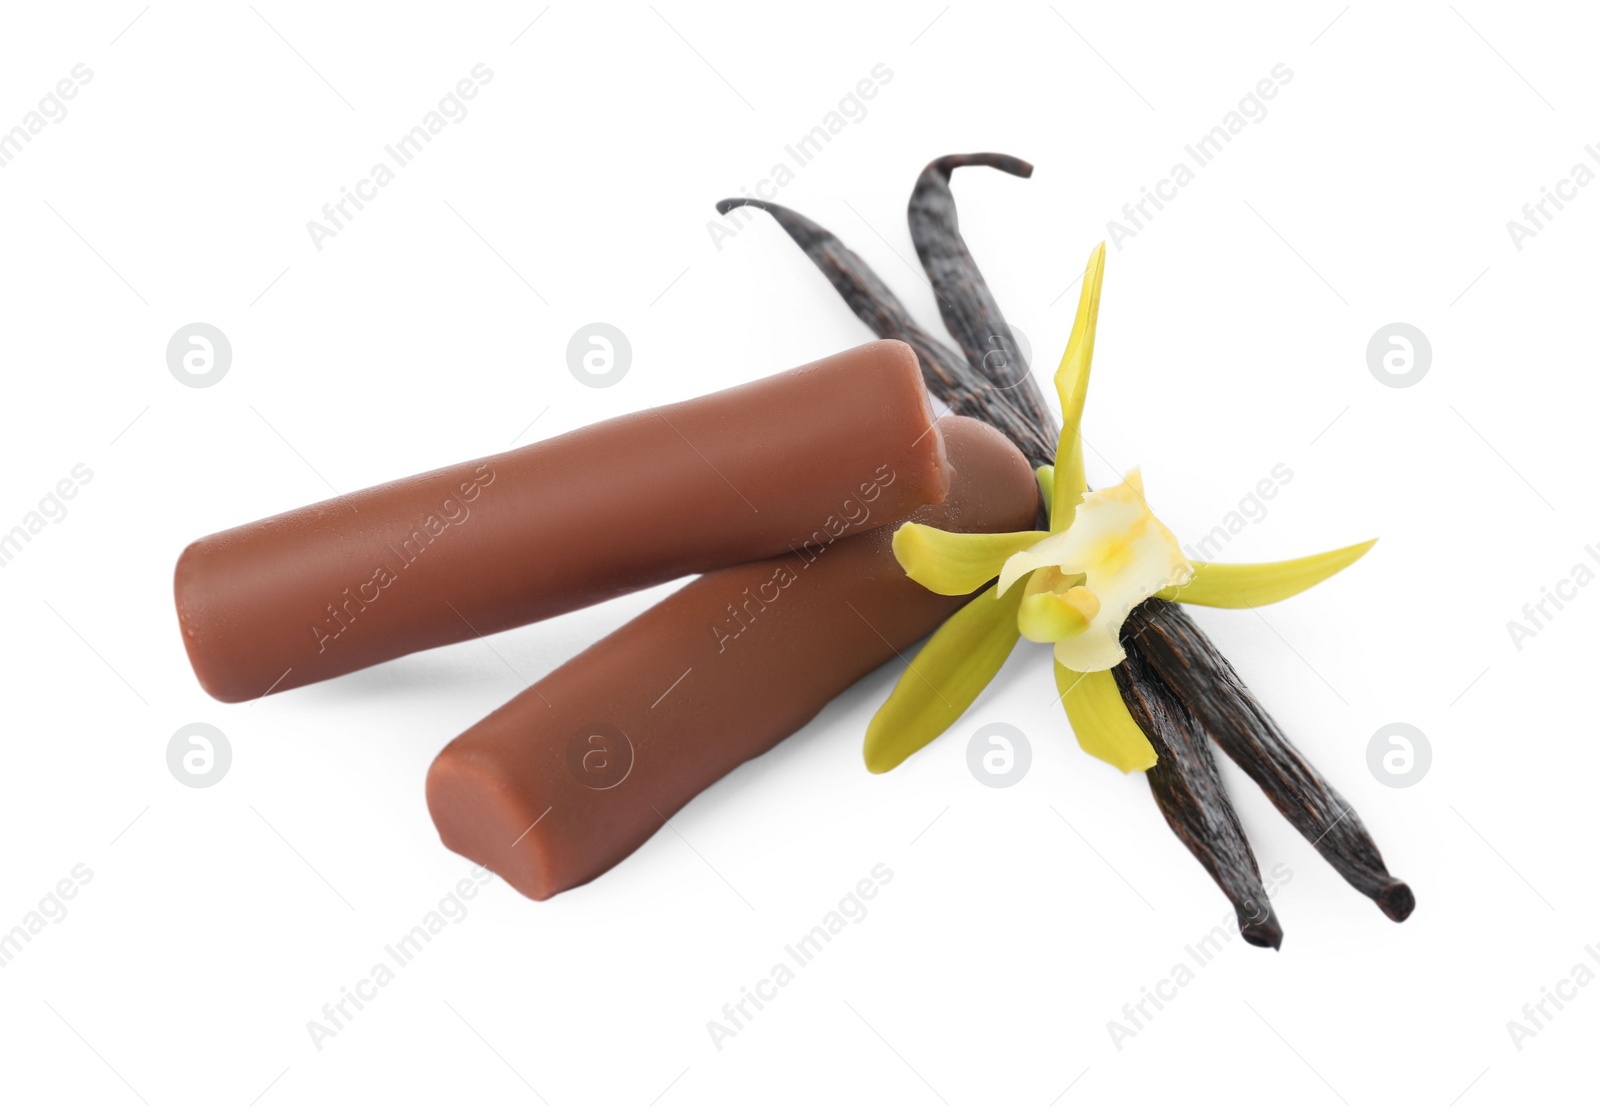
(1188, 789)
(967, 306)
(1176, 649)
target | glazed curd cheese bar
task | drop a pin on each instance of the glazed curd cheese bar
(785, 463)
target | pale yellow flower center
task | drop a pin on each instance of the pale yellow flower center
(1085, 580)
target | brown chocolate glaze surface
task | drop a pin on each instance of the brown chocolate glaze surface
(828, 449)
(577, 772)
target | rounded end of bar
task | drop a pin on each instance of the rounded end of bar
(902, 366)
(1397, 900)
(188, 596)
(996, 483)
(481, 817)
(1262, 933)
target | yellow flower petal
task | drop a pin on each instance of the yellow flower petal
(955, 665)
(1101, 721)
(1072, 387)
(1018, 565)
(1256, 585)
(956, 563)
(1047, 482)
(1055, 606)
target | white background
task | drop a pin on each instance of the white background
(433, 329)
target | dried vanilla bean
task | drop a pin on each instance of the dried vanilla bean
(1188, 788)
(1181, 655)
(968, 308)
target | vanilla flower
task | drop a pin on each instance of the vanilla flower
(1072, 585)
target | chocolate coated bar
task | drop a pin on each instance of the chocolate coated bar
(796, 459)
